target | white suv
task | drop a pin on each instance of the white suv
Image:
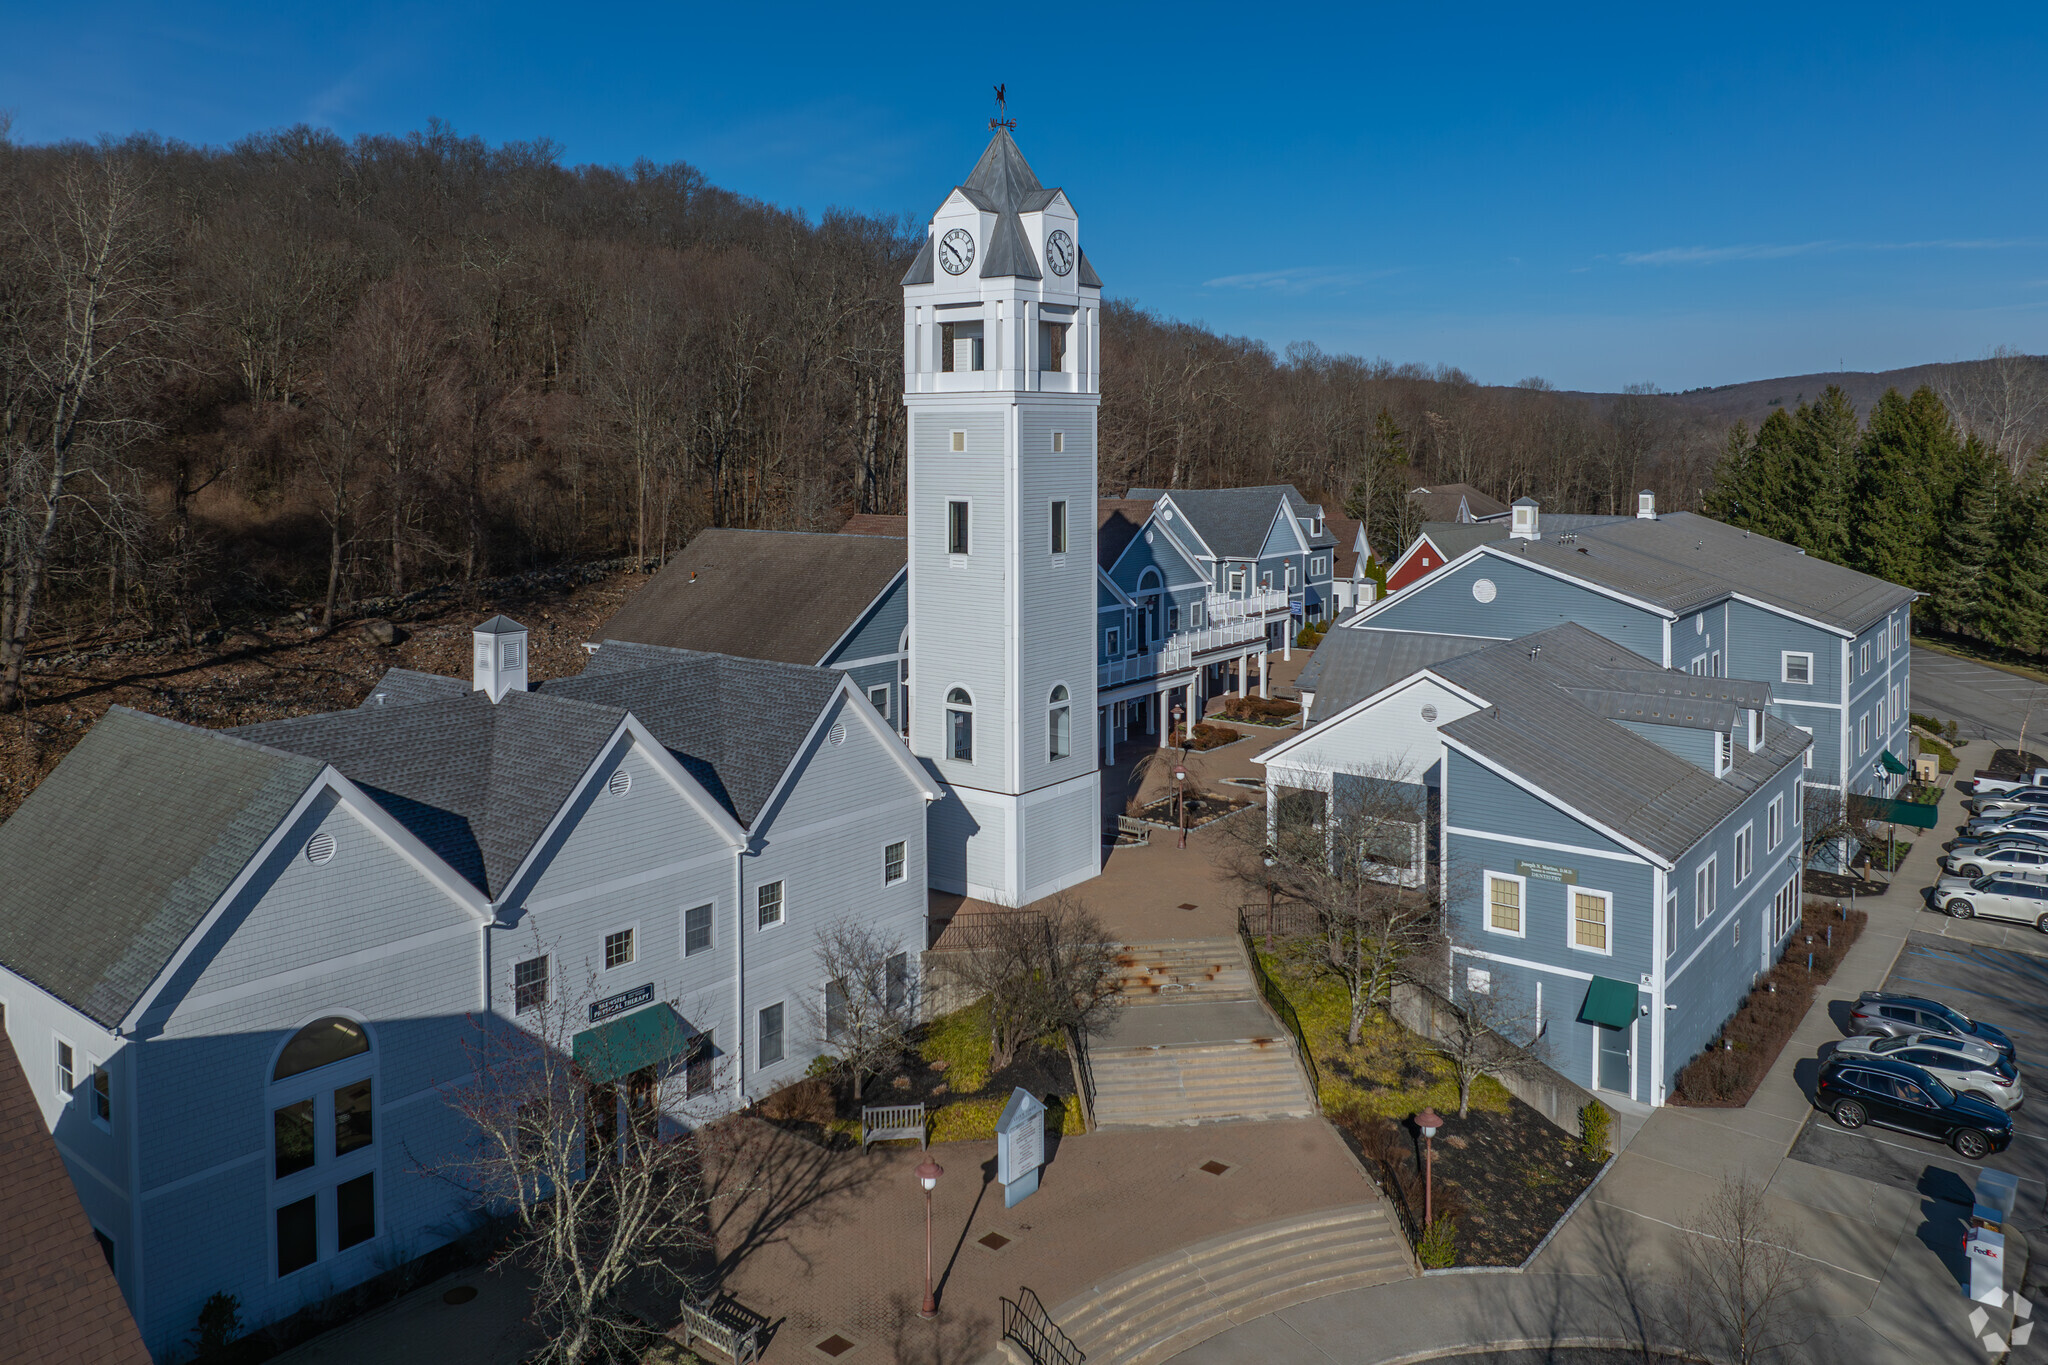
(2021, 896)
(1970, 1068)
(1997, 858)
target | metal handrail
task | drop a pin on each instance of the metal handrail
(1026, 1322)
(1284, 1008)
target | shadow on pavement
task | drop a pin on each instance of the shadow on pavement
(1842, 1014)
(1806, 1072)
(1941, 1232)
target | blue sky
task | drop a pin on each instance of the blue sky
(1599, 199)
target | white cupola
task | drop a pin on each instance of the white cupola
(1524, 524)
(500, 658)
(1646, 505)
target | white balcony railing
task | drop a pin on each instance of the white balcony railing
(1229, 624)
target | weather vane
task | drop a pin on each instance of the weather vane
(1002, 107)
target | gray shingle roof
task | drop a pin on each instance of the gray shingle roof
(477, 783)
(1442, 502)
(735, 724)
(782, 595)
(920, 271)
(1535, 728)
(1002, 182)
(115, 858)
(1351, 665)
(1233, 521)
(405, 686)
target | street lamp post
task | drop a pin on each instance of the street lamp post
(928, 1176)
(1180, 776)
(1429, 1121)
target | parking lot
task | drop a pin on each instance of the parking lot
(1997, 983)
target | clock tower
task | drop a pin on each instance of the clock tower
(1001, 338)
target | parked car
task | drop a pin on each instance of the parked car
(1904, 1015)
(1988, 858)
(1858, 1090)
(2018, 896)
(1962, 848)
(1982, 784)
(2010, 822)
(1961, 1064)
(2025, 799)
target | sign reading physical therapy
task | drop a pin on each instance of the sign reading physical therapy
(1547, 872)
(601, 1010)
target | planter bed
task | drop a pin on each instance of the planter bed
(1202, 810)
(1206, 739)
(1724, 1077)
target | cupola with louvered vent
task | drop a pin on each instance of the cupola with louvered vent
(500, 657)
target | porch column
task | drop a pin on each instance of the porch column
(1287, 636)
(1162, 702)
(1272, 808)
(1265, 657)
(1244, 666)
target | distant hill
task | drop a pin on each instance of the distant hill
(1753, 401)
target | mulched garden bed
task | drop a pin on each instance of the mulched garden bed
(1503, 1178)
(1731, 1067)
(1836, 886)
(1205, 738)
(1201, 810)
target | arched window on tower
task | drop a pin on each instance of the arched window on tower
(323, 1187)
(960, 725)
(1059, 723)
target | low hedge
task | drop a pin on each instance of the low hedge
(975, 1120)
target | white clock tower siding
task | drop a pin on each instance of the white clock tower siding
(1002, 648)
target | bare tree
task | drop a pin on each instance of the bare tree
(1825, 824)
(869, 1006)
(1045, 971)
(2003, 399)
(1354, 857)
(586, 1155)
(1740, 1279)
(1482, 1030)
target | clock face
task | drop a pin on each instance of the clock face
(1059, 251)
(956, 251)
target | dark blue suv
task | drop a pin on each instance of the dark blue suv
(1857, 1089)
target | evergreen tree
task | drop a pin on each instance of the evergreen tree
(1827, 440)
(2014, 611)
(1907, 465)
(1970, 538)
(1379, 495)
(1729, 498)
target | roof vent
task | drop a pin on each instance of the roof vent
(621, 782)
(837, 734)
(1524, 527)
(1646, 506)
(320, 848)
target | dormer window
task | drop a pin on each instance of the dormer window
(1756, 730)
(1723, 756)
(959, 346)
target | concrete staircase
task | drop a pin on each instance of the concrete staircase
(1155, 1310)
(1194, 1043)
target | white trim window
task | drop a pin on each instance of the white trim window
(1863, 658)
(1774, 824)
(960, 725)
(957, 521)
(1896, 632)
(1237, 582)
(67, 1068)
(1059, 443)
(1706, 890)
(1795, 666)
(1059, 727)
(1863, 734)
(1670, 923)
(768, 905)
(892, 863)
(878, 697)
(529, 984)
(102, 1094)
(1112, 643)
(1057, 532)
(1806, 758)
(621, 947)
(1699, 666)
(1507, 904)
(1785, 909)
(1318, 566)
(1592, 920)
(770, 1049)
(697, 930)
(959, 441)
(1745, 853)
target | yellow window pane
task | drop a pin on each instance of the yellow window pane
(1590, 921)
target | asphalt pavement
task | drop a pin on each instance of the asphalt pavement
(1987, 704)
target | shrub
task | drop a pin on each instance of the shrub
(1438, 1248)
(220, 1321)
(974, 1120)
(805, 1101)
(1594, 1124)
(961, 1041)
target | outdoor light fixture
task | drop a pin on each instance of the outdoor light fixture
(928, 1176)
(1429, 1121)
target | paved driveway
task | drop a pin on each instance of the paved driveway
(1985, 703)
(2001, 985)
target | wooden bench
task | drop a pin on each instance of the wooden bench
(709, 1322)
(892, 1122)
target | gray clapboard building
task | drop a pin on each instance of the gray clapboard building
(242, 1000)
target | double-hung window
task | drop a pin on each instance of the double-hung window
(530, 984)
(67, 1069)
(696, 930)
(1863, 658)
(768, 904)
(102, 1095)
(1591, 911)
(1795, 667)
(892, 863)
(1774, 824)
(770, 1051)
(1745, 853)
(618, 949)
(1706, 891)
(1670, 923)
(1504, 896)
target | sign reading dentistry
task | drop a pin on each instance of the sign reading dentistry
(1020, 1146)
(1547, 872)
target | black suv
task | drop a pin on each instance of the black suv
(1860, 1089)
(1902, 1016)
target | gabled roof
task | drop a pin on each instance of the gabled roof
(1535, 729)
(59, 1301)
(1344, 551)
(1456, 502)
(117, 856)
(1351, 665)
(734, 724)
(787, 596)
(404, 686)
(477, 783)
(920, 271)
(1117, 523)
(1234, 521)
(877, 524)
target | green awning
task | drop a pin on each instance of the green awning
(1892, 764)
(1890, 812)
(1609, 1003)
(619, 1047)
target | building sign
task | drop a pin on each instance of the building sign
(1020, 1146)
(601, 1010)
(1547, 872)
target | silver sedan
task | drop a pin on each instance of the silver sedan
(1971, 1068)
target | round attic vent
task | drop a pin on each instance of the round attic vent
(1167, 515)
(1148, 537)
(837, 734)
(1483, 590)
(620, 783)
(320, 848)
(1429, 712)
